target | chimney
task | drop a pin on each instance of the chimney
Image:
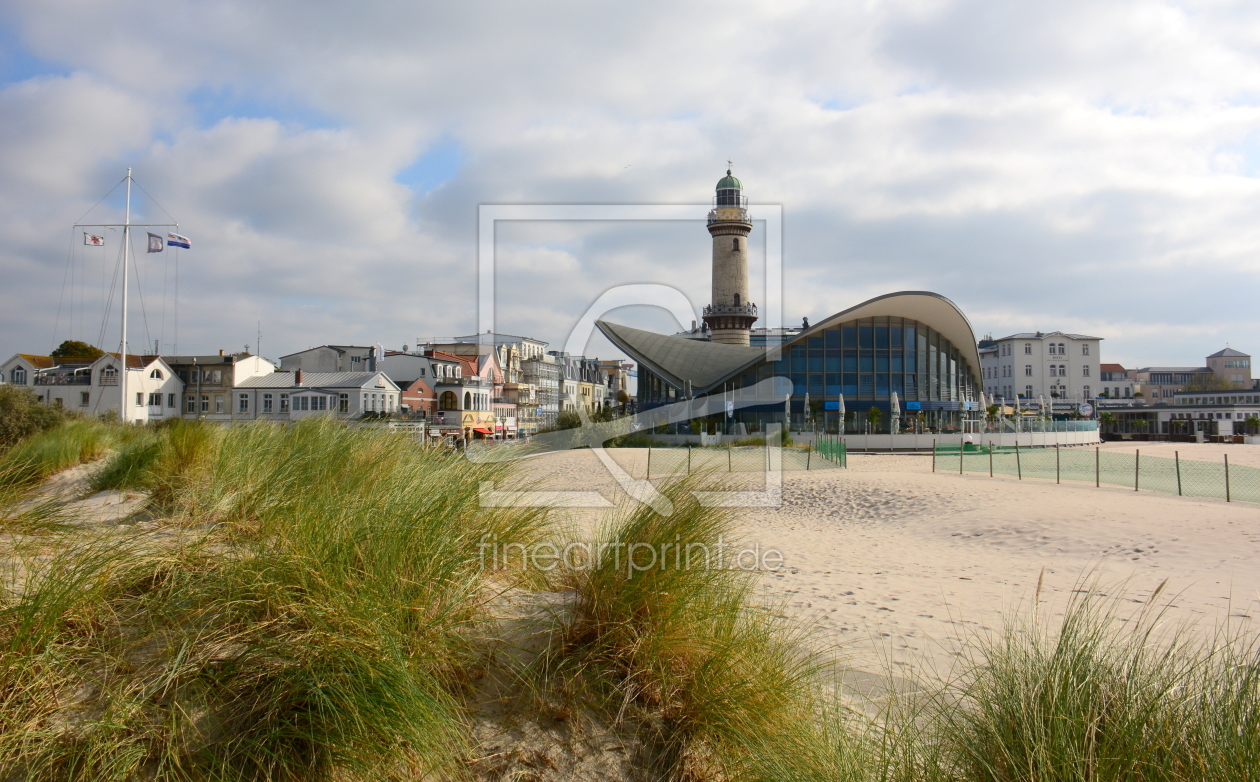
(297, 378)
(220, 351)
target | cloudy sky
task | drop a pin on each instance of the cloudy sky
(1087, 166)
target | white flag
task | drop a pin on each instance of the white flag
(93, 239)
(156, 244)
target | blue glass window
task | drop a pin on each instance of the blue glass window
(782, 367)
(867, 334)
(896, 363)
(850, 336)
(911, 363)
(850, 364)
(798, 385)
(816, 385)
(868, 363)
(881, 385)
(867, 384)
(896, 335)
(831, 338)
(911, 388)
(816, 341)
(910, 337)
(881, 363)
(815, 361)
(849, 388)
(833, 362)
(881, 337)
(897, 386)
(833, 384)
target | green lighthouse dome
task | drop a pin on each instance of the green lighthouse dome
(729, 182)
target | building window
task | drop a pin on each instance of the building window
(205, 403)
(191, 405)
(84, 397)
(343, 402)
(356, 360)
(467, 401)
(1028, 370)
(266, 403)
(735, 244)
(1028, 348)
(737, 300)
(284, 403)
(170, 401)
(139, 399)
(1028, 392)
(109, 376)
(1085, 392)
(155, 399)
(157, 375)
(218, 403)
(1085, 371)
(1084, 350)
(18, 376)
(448, 401)
(242, 405)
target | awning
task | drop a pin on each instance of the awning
(479, 430)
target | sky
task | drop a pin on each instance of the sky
(1090, 167)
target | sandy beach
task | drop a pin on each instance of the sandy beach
(898, 564)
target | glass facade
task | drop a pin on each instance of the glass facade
(864, 360)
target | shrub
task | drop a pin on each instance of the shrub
(22, 414)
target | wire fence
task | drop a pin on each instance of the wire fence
(1182, 477)
(745, 458)
(833, 449)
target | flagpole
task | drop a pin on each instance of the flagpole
(122, 382)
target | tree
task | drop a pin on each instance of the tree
(1107, 421)
(1205, 383)
(873, 416)
(1252, 424)
(73, 348)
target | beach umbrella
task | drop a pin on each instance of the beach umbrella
(895, 403)
(840, 407)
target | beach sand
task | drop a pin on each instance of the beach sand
(900, 566)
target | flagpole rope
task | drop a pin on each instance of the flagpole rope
(98, 203)
(155, 202)
(148, 338)
(65, 275)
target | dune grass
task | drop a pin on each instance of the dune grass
(325, 625)
(719, 685)
(321, 632)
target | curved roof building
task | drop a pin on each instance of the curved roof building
(911, 354)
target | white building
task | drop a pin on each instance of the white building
(332, 358)
(92, 385)
(291, 396)
(1034, 364)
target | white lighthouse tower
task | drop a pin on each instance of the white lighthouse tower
(730, 315)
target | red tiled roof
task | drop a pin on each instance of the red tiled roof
(39, 362)
(1110, 368)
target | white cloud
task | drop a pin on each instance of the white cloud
(1046, 166)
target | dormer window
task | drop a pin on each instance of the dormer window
(157, 375)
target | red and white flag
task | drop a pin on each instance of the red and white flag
(93, 239)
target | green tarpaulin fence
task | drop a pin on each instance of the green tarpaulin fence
(755, 458)
(1183, 477)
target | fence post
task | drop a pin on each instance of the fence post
(1097, 467)
(1177, 461)
(1227, 478)
(1056, 463)
(689, 458)
(933, 454)
(728, 457)
(960, 457)
(1019, 470)
(990, 458)
(809, 457)
(1137, 468)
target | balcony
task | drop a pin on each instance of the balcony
(746, 310)
(63, 379)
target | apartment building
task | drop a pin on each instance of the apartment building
(1052, 364)
(93, 385)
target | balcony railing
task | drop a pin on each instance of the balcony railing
(749, 310)
(78, 379)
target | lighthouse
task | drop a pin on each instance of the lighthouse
(730, 315)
